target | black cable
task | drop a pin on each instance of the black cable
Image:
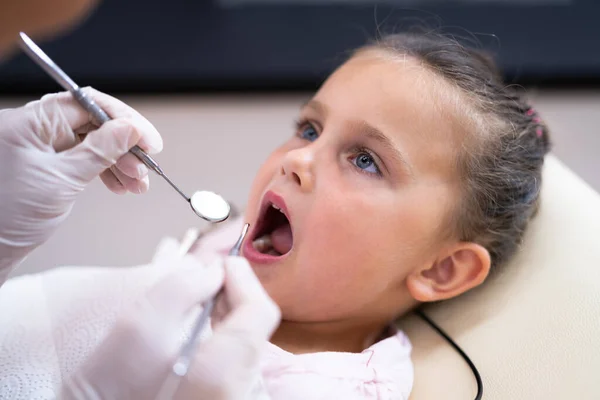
(458, 350)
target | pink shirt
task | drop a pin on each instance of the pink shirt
(382, 371)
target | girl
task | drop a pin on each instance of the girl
(412, 174)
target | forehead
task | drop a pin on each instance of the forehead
(417, 109)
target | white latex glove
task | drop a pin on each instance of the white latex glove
(136, 357)
(43, 166)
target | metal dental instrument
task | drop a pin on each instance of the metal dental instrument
(182, 364)
(206, 205)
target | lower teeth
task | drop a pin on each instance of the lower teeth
(264, 245)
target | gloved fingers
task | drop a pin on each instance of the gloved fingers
(102, 148)
(112, 183)
(131, 166)
(220, 310)
(167, 251)
(83, 130)
(118, 183)
(189, 239)
(150, 140)
(253, 313)
(227, 364)
(136, 186)
(144, 184)
(55, 117)
(189, 284)
(170, 249)
(134, 358)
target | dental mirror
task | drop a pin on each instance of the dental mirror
(210, 206)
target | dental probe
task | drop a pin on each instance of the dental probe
(181, 366)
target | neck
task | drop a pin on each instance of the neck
(301, 337)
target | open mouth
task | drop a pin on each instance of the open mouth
(273, 233)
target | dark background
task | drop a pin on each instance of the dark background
(149, 46)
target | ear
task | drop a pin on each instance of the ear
(459, 269)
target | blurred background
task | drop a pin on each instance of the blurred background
(222, 81)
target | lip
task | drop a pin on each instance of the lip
(248, 250)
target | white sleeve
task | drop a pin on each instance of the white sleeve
(50, 322)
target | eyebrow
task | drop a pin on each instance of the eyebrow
(369, 131)
(316, 106)
(375, 134)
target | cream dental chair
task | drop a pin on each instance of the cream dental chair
(533, 331)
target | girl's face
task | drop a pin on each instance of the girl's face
(367, 182)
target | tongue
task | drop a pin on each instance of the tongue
(281, 239)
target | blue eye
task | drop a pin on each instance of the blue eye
(308, 132)
(365, 162)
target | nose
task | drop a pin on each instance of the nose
(298, 166)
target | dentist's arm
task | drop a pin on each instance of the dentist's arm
(135, 358)
(43, 165)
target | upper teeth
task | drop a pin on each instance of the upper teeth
(275, 207)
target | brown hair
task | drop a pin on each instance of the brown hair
(501, 169)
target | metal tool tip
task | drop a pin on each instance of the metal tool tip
(25, 40)
(245, 230)
(235, 251)
(46, 63)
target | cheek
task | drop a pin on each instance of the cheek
(349, 253)
(359, 249)
(374, 224)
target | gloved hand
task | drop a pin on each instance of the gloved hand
(135, 359)
(43, 166)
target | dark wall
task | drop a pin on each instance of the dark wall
(194, 45)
